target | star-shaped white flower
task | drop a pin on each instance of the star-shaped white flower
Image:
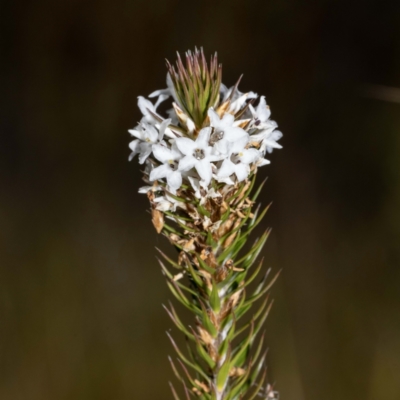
(168, 203)
(239, 161)
(224, 131)
(146, 135)
(225, 92)
(270, 142)
(169, 168)
(261, 115)
(148, 109)
(198, 155)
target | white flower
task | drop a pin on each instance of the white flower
(148, 110)
(236, 105)
(228, 181)
(135, 148)
(169, 169)
(168, 203)
(197, 155)
(198, 190)
(269, 143)
(268, 138)
(227, 92)
(239, 161)
(261, 115)
(224, 131)
(146, 135)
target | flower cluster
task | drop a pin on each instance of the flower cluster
(212, 135)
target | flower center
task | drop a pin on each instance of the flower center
(235, 158)
(216, 136)
(173, 165)
(258, 122)
(198, 154)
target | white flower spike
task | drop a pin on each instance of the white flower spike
(203, 138)
(200, 162)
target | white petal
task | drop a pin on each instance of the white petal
(175, 153)
(242, 171)
(203, 138)
(249, 156)
(223, 90)
(203, 168)
(137, 133)
(187, 163)
(195, 185)
(164, 206)
(276, 135)
(134, 145)
(160, 172)
(162, 128)
(228, 119)
(145, 151)
(160, 99)
(227, 181)
(162, 153)
(222, 146)
(263, 161)
(160, 92)
(238, 103)
(151, 134)
(235, 133)
(263, 111)
(145, 105)
(213, 194)
(227, 169)
(214, 118)
(185, 145)
(174, 180)
(271, 143)
(238, 145)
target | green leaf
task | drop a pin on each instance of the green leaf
(182, 299)
(170, 261)
(259, 386)
(204, 265)
(258, 220)
(204, 355)
(186, 361)
(175, 319)
(215, 301)
(207, 324)
(240, 385)
(210, 240)
(194, 275)
(243, 349)
(256, 194)
(223, 374)
(203, 211)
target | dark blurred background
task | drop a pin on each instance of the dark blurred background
(80, 288)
